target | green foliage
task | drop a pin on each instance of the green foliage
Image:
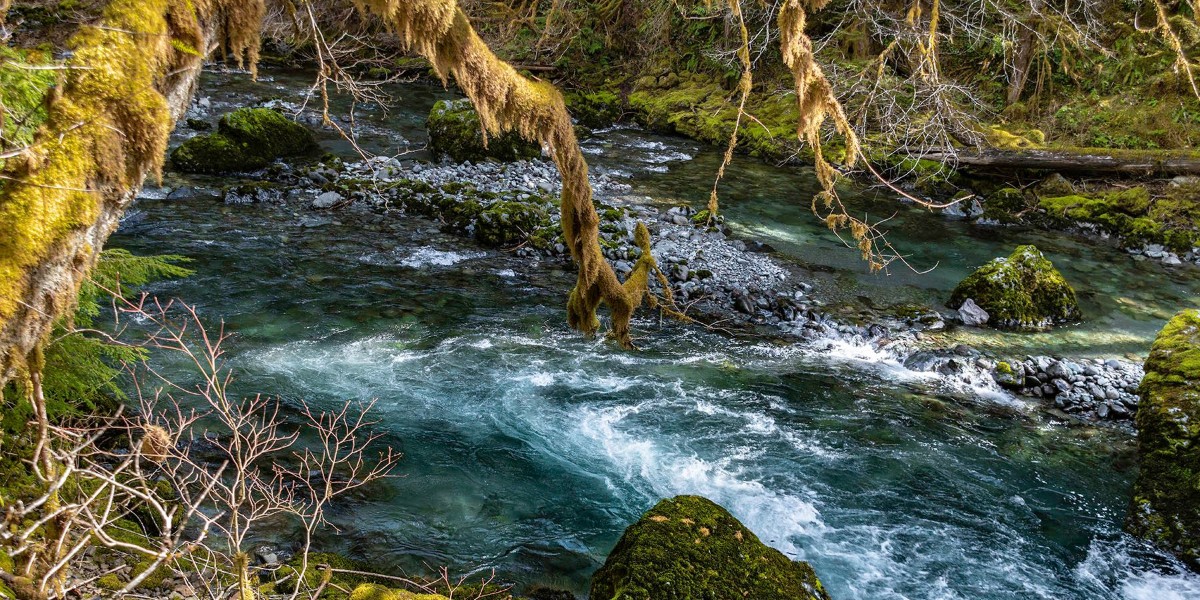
(1023, 291)
(688, 547)
(22, 96)
(1166, 496)
(80, 370)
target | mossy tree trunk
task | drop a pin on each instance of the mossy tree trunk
(129, 78)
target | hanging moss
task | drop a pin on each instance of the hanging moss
(454, 131)
(690, 548)
(246, 139)
(1166, 496)
(1023, 291)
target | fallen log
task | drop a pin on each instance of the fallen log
(1137, 163)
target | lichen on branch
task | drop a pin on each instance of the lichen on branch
(506, 101)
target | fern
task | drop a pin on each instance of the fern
(81, 370)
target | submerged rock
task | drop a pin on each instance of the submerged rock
(246, 139)
(689, 547)
(1166, 496)
(455, 131)
(1022, 291)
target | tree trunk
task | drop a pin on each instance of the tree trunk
(130, 80)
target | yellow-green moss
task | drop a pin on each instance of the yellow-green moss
(1022, 291)
(371, 591)
(109, 126)
(689, 547)
(1171, 219)
(1166, 496)
(455, 131)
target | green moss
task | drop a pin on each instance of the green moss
(1166, 496)
(1005, 205)
(508, 223)
(1171, 219)
(155, 579)
(110, 583)
(1023, 291)
(22, 96)
(595, 109)
(371, 591)
(688, 547)
(246, 139)
(455, 131)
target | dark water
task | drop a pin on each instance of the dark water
(528, 449)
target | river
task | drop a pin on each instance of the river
(528, 449)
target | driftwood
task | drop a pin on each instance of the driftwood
(1083, 160)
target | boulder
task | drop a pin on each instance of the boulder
(507, 223)
(1166, 496)
(1023, 291)
(688, 547)
(246, 139)
(455, 131)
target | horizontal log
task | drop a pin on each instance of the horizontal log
(1082, 160)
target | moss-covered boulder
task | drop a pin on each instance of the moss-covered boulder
(595, 109)
(509, 222)
(1166, 495)
(246, 139)
(454, 131)
(1023, 291)
(689, 548)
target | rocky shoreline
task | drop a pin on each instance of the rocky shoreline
(725, 283)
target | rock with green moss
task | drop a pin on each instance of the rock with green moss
(689, 548)
(595, 109)
(1166, 496)
(246, 139)
(454, 131)
(1023, 291)
(509, 222)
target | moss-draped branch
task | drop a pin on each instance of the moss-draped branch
(506, 101)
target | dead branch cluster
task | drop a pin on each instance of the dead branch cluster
(187, 483)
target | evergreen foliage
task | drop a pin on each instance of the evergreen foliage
(81, 369)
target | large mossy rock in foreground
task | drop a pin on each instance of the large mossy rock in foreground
(454, 131)
(1166, 495)
(1023, 291)
(246, 139)
(688, 548)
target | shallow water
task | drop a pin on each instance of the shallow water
(528, 449)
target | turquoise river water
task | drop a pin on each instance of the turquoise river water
(528, 449)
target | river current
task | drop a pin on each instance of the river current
(528, 449)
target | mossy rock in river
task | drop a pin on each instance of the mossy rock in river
(246, 139)
(509, 222)
(454, 131)
(1023, 291)
(689, 548)
(1166, 496)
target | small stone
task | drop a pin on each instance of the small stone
(327, 200)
